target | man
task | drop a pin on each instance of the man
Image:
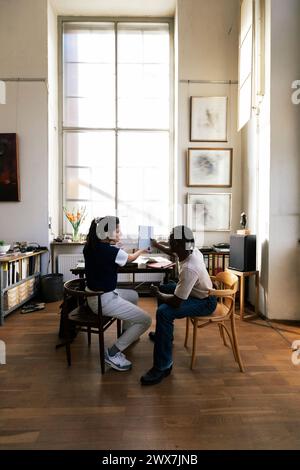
(189, 298)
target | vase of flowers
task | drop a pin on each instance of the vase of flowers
(75, 218)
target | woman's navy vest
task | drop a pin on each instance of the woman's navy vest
(100, 267)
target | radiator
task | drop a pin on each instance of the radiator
(67, 262)
(152, 277)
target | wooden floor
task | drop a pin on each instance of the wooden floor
(46, 405)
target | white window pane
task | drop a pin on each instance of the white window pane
(89, 43)
(143, 42)
(130, 47)
(157, 214)
(89, 80)
(84, 184)
(130, 80)
(157, 46)
(78, 183)
(143, 81)
(144, 179)
(143, 101)
(94, 149)
(246, 58)
(89, 75)
(130, 214)
(103, 184)
(143, 76)
(130, 184)
(156, 81)
(144, 149)
(152, 113)
(136, 213)
(89, 112)
(103, 209)
(154, 178)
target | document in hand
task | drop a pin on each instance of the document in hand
(145, 235)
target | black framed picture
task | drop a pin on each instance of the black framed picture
(9, 168)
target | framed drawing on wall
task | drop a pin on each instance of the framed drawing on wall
(209, 167)
(208, 120)
(209, 212)
(9, 168)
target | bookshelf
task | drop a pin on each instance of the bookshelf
(19, 274)
(215, 262)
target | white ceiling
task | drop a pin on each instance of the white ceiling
(114, 7)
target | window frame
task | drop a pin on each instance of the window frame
(61, 128)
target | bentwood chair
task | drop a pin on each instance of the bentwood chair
(83, 318)
(224, 316)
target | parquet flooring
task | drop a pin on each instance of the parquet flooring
(46, 405)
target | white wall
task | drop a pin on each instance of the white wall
(53, 152)
(208, 50)
(284, 253)
(23, 45)
(23, 54)
(256, 174)
(271, 148)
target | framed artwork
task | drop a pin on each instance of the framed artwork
(9, 168)
(209, 167)
(208, 119)
(209, 212)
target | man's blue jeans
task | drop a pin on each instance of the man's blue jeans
(165, 316)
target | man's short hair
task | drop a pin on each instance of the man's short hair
(184, 236)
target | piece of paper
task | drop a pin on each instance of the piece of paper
(145, 235)
(167, 263)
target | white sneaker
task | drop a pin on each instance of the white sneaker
(118, 361)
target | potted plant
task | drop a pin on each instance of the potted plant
(4, 247)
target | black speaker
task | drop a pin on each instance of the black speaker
(242, 252)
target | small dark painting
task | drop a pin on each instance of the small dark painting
(9, 169)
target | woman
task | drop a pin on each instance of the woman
(102, 259)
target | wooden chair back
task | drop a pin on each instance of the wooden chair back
(227, 281)
(84, 317)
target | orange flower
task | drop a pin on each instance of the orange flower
(75, 218)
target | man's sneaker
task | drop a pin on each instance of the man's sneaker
(118, 361)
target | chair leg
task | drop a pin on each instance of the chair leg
(101, 351)
(195, 331)
(89, 335)
(68, 338)
(235, 344)
(187, 328)
(119, 328)
(231, 341)
(221, 330)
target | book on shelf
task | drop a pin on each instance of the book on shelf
(5, 275)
